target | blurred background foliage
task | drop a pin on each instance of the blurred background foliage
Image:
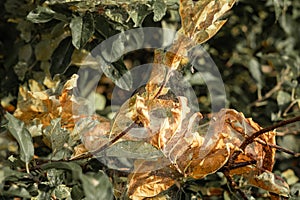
(257, 53)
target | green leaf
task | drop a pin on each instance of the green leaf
(7, 172)
(97, 186)
(100, 101)
(77, 193)
(61, 192)
(39, 50)
(25, 28)
(295, 190)
(55, 177)
(278, 9)
(57, 136)
(73, 167)
(16, 191)
(61, 57)
(104, 27)
(41, 15)
(137, 13)
(20, 69)
(283, 98)
(254, 68)
(159, 10)
(133, 149)
(125, 80)
(23, 137)
(119, 74)
(115, 16)
(25, 52)
(82, 29)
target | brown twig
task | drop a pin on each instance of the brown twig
(267, 95)
(115, 139)
(251, 139)
(279, 148)
(232, 184)
(105, 146)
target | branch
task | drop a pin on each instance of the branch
(251, 139)
(115, 139)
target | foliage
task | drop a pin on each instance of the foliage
(257, 52)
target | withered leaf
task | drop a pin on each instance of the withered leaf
(184, 152)
(201, 20)
(268, 181)
(147, 182)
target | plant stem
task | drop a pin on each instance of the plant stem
(251, 139)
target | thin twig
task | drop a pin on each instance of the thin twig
(267, 95)
(250, 139)
(242, 164)
(279, 148)
(232, 184)
(115, 139)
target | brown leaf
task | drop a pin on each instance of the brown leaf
(152, 181)
(184, 147)
(269, 182)
(94, 132)
(34, 105)
(37, 104)
(79, 151)
(201, 20)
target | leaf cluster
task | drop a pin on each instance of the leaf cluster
(43, 43)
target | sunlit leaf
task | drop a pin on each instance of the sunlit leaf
(159, 10)
(290, 176)
(137, 13)
(201, 20)
(94, 134)
(41, 15)
(149, 183)
(61, 192)
(278, 8)
(269, 182)
(82, 29)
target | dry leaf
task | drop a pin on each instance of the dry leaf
(183, 148)
(201, 20)
(151, 182)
